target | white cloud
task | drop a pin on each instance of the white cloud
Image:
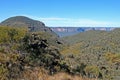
(76, 22)
(69, 22)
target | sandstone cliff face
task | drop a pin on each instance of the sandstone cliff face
(68, 31)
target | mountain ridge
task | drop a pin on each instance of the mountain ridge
(68, 31)
(31, 24)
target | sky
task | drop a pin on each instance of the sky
(65, 13)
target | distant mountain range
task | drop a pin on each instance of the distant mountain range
(36, 26)
(67, 31)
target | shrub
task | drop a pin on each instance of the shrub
(10, 34)
(40, 52)
(92, 71)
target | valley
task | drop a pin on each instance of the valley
(68, 31)
(57, 53)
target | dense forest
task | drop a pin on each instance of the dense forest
(98, 50)
(28, 54)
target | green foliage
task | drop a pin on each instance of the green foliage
(113, 58)
(95, 48)
(3, 72)
(41, 52)
(9, 34)
(92, 71)
(94, 54)
(9, 42)
(10, 66)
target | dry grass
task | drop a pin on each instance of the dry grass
(64, 76)
(41, 74)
